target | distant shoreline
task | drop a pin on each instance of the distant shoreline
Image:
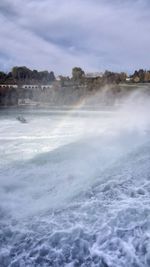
(107, 95)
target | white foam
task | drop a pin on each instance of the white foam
(75, 190)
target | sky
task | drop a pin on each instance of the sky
(58, 35)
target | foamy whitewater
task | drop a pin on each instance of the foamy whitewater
(75, 187)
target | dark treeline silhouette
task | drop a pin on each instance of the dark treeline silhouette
(141, 76)
(22, 86)
(95, 81)
(21, 75)
(25, 75)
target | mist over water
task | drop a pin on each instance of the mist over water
(75, 186)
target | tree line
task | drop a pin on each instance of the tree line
(63, 90)
(20, 75)
(24, 75)
(141, 76)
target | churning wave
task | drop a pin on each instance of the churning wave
(85, 203)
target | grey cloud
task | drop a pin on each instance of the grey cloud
(7, 9)
(94, 34)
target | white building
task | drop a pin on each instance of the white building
(93, 74)
(26, 86)
(128, 79)
(8, 86)
(46, 87)
(29, 86)
(33, 86)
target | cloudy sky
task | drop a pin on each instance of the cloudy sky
(60, 34)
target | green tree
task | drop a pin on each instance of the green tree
(77, 74)
(21, 73)
(2, 76)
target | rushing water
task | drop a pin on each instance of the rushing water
(75, 188)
